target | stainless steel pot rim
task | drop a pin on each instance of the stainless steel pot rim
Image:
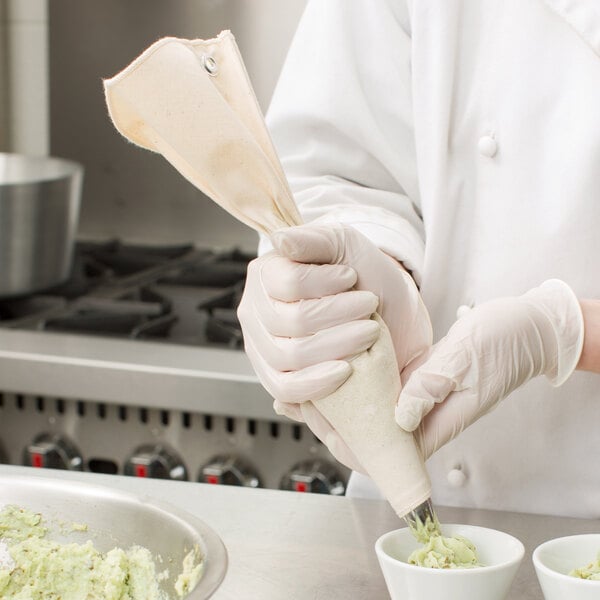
(19, 169)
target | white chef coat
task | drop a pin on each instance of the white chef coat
(463, 137)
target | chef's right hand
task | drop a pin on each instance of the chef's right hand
(306, 310)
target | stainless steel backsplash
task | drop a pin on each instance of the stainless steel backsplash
(129, 192)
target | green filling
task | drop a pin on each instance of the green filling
(191, 574)
(48, 570)
(590, 571)
(440, 552)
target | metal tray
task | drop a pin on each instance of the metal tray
(116, 518)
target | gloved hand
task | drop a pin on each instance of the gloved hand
(306, 309)
(487, 354)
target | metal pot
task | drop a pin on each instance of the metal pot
(39, 212)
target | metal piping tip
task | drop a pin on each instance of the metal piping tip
(423, 521)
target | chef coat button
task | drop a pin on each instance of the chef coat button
(487, 146)
(462, 310)
(456, 478)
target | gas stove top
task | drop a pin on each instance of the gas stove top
(135, 366)
(137, 325)
(178, 294)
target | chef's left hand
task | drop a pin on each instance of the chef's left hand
(487, 354)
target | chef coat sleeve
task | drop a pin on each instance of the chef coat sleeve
(341, 121)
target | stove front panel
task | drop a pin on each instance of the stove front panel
(106, 436)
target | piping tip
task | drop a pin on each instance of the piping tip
(423, 521)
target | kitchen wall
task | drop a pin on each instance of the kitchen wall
(24, 104)
(131, 193)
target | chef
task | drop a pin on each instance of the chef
(445, 157)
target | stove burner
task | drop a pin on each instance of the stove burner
(179, 294)
(124, 259)
(141, 313)
(223, 270)
(223, 327)
(222, 324)
(86, 274)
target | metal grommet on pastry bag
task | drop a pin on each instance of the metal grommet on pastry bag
(210, 64)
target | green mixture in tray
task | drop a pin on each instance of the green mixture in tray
(590, 571)
(41, 569)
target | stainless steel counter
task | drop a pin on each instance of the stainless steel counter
(284, 545)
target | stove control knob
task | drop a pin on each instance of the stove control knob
(314, 476)
(229, 470)
(155, 461)
(52, 451)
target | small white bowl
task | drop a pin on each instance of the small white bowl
(500, 553)
(554, 559)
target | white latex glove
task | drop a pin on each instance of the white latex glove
(305, 313)
(487, 354)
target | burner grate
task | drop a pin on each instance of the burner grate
(126, 259)
(177, 293)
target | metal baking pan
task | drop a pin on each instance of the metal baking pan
(116, 518)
